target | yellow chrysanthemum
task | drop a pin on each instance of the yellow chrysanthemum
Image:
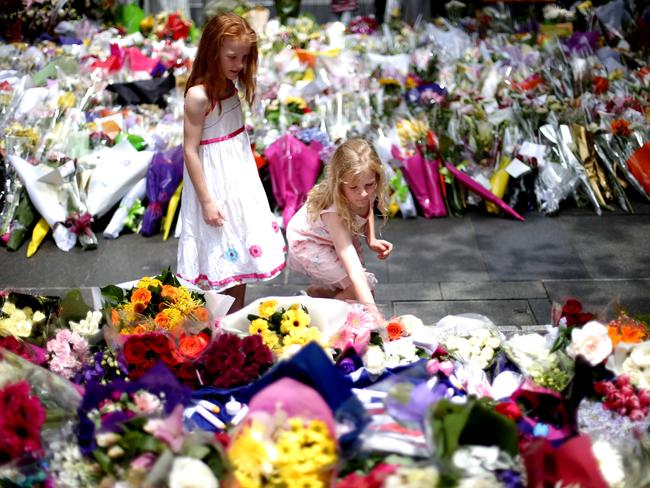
(175, 317)
(247, 452)
(271, 339)
(147, 281)
(258, 326)
(268, 308)
(310, 480)
(294, 319)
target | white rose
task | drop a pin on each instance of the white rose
(640, 354)
(8, 308)
(189, 472)
(374, 360)
(105, 439)
(493, 342)
(591, 341)
(411, 323)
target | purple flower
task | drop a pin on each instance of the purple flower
(346, 365)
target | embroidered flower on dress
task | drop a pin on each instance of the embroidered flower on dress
(231, 255)
(276, 227)
(256, 251)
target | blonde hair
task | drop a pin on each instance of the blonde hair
(349, 161)
(206, 68)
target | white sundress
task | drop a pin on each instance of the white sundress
(249, 246)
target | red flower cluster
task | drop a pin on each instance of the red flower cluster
(233, 361)
(23, 349)
(601, 84)
(20, 423)
(175, 28)
(620, 396)
(142, 351)
(374, 479)
(575, 317)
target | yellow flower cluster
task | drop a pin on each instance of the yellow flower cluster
(283, 328)
(302, 455)
(18, 321)
(154, 306)
(411, 131)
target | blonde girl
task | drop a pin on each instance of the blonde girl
(324, 235)
(229, 235)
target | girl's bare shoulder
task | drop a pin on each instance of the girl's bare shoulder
(196, 99)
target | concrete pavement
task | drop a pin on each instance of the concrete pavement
(479, 263)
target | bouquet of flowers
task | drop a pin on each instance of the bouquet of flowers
(470, 338)
(284, 441)
(154, 304)
(27, 317)
(283, 329)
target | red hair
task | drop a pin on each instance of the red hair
(206, 69)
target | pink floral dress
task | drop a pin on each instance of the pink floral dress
(312, 252)
(249, 246)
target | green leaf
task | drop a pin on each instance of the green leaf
(114, 295)
(72, 307)
(103, 460)
(197, 451)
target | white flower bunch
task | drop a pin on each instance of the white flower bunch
(88, 326)
(610, 463)
(637, 365)
(555, 13)
(19, 321)
(393, 354)
(188, 472)
(479, 347)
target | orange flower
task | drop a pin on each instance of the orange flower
(395, 330)
(632, 334)
(115, 316)
(621, 127)
(139, 307)
(614, 334)
(201, 314)
(140, 329)
(141, 295)
(601, 84)
(192, 346)
(162, 320)
(170, 292)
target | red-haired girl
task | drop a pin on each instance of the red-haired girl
(229, 236)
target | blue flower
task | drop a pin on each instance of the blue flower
(231, 255)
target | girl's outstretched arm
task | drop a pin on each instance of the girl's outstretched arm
(381, 247)
(196, 106)
(349, 258)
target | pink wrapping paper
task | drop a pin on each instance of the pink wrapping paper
(294, 168)
(481, 190)
(422, 178)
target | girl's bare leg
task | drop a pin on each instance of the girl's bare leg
(316, 291)
(239, 294)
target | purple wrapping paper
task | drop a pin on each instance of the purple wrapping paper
(163, 177)
(422, 177)
(294, 168)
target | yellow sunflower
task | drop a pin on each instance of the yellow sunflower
(294, 319)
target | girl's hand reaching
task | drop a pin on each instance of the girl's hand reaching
(381, 247)
(212, 214)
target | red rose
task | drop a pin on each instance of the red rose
(192, 346)
(509, 409)
(601, 85)
(134, 350)
(571, 306)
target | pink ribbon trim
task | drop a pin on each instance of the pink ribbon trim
(234, 279)
(222, 138)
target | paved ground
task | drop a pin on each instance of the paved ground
(504, 269)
